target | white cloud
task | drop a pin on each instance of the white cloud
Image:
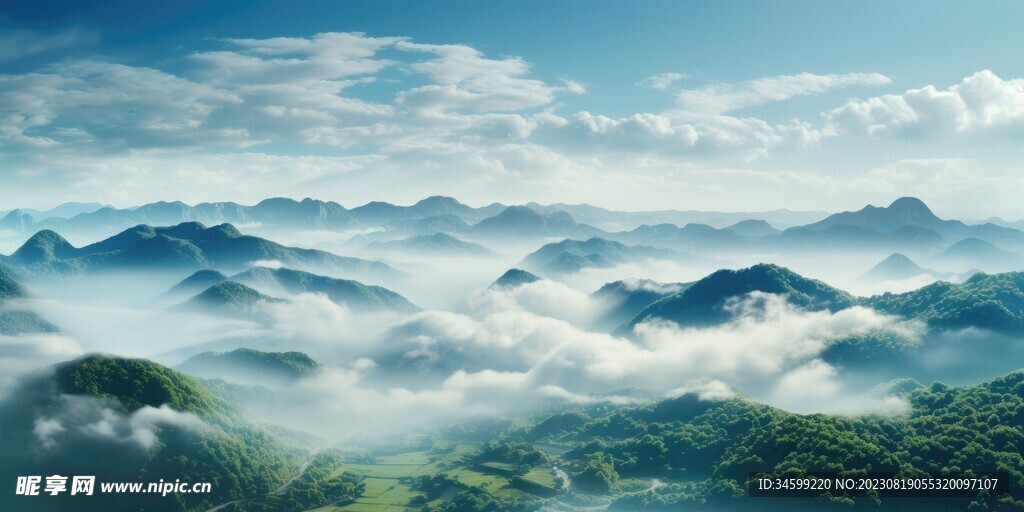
(661, 81)
(722, 98)
(74, 419)
(981, 102)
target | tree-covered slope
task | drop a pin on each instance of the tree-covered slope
(704, 450)
(704, 303)
(990, 301)
(286, 366)
(132, 420)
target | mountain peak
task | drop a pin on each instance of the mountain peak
(911, 205)
(45, 245)
(893, 268)
(514, 277)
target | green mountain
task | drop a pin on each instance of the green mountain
(514, 277)
(184, 246)
(625, 299)
(355, 295)
(193, 284)
(227, 297)
(702, 451)
(990, 301)
(704, 303)
(132, 420)
(254, 364)
(437, 244)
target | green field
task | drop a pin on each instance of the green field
(541, 475)
(381, 495)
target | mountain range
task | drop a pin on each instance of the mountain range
(993, 302)
(570, 256)
(437, 244)
(315, 214)
(190, 245)
(907, 225)
(243, 290)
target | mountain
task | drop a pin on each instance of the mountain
(570, 256)
(227, 297)
(626, 298)
(894, 268)
(65, 210)
(273, 213)
(700, 451)
(691, 237)
(705, 302)
(612, 220)
(446, 223)
(513, 278)
(189, 245)
(517, 222)
(15, 321)
(846, 237)
(437, 244)
(250, 366)
(973, 253)
(753, 228)
(355, 295)
(10, 288)
(988, 301)
(910, 211)
(192, 285)
(17, 220)
(133, 420)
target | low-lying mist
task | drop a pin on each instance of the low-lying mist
(475, 350)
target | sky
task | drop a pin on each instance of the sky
(728, 106)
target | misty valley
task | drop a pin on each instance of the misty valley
(440, 357)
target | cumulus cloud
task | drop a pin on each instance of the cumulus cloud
(981, 102)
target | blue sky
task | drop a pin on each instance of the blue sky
(705, 105)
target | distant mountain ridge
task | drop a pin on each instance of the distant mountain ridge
(906, 225)
(570, 256)
(276, 281)
(190, 245)
(437, 244)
